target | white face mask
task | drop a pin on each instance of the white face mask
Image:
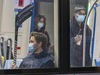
(80, 18)
(31, 47)
(40, 25)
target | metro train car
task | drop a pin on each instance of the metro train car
(49, 36)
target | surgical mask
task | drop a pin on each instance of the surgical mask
(31, 48)
(40, 25)
(80, 18)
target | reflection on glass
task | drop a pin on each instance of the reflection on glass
(76, 37)
(37, 49)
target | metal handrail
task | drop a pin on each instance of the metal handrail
(10, 48)
(0, 50)
(84, 33)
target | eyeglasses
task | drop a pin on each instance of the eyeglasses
(81, 13)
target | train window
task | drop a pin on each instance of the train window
(77, 21)
(30, 36)
(84, 54)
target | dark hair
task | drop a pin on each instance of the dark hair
(36, 20)
(40, 37)
(77, 9)
(51, 47)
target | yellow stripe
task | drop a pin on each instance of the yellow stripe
(2, 59)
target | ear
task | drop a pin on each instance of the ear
(40, 43)
(76, 16)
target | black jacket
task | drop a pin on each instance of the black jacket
(74, 59)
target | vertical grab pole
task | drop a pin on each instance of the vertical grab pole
(15, 50)
(24, 14)
(92, 46)
(32, 20)
(84, 33)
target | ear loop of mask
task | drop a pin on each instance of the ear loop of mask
(37, 47)
(77, 14)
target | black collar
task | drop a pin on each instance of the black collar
(41, 55)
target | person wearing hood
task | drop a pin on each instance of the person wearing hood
(76, 39)
(39, 57)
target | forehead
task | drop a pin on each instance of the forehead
(82, 11)
(32, 38)
(42, 19)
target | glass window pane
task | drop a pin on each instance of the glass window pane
(84, 33)
(37, 40)
(79, 47)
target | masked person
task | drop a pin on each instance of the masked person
(39, 57)
(76, 39)
(40, 25)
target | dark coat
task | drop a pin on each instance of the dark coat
(74, 59)
(41, 60)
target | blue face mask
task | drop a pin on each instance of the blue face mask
(40, 25)
(80, 18)
(30, 47)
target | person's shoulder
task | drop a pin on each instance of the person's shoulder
(49, 57)
(45, 32)
(49, 61)
(73, 23)
(88, 28)
(48, 54)
(28, 54)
